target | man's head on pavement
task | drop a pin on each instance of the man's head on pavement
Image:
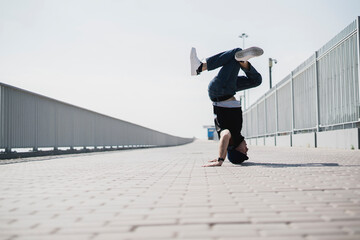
(239, 154)
(242, 147)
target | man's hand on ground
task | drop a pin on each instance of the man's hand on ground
(214, 163)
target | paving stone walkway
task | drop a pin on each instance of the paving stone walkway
(164, 193)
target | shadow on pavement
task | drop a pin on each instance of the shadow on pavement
(285, 165)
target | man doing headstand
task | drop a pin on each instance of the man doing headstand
(227, 110)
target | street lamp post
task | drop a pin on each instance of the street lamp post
(243, 36)
(271, 61)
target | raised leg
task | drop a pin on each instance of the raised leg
(221, 59)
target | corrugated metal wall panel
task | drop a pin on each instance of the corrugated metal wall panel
(46, 125)
(261, 117)
(254, 121)
(284, 108)
(338, 38)
(2, 119)
(29, 120)
(270, 114)
(321, 93)
(305, 99)
(338, 84)
(22, 118)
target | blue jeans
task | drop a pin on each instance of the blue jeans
(227, 82)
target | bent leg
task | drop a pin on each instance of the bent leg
(251, 80)
(224, 84)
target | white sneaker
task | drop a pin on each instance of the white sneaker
(194, 62)
(248, 53)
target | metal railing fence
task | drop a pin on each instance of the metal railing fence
(29, 120)
(321, 94)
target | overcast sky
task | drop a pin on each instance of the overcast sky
(129, 59)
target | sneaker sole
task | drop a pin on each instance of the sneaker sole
(193, 71)
(248, 53)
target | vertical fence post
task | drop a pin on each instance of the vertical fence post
(1, 119)
(317, 98)
(35, 146)
(56, 128)
(257, 122)
(2, 116)
(4, 127)
(358, 58)
(266, 117)
(358, 76)
(7, 120)
(72, 144)
(276, 114)
(292, 108)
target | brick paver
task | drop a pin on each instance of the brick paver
(280, 193)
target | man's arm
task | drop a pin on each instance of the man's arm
(225, 136)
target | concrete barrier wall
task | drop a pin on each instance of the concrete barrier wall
(260, 141)
(270, 141)
(343, 138)
(283, 141)
(303, 140)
